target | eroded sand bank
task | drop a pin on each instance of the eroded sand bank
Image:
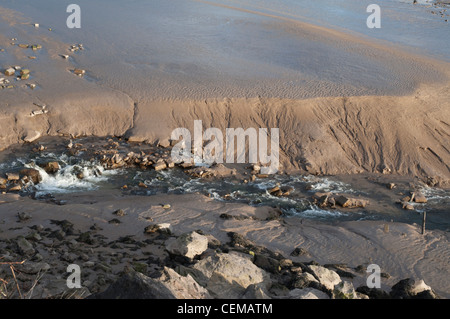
(333, 115)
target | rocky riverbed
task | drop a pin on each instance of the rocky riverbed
(161, 262)
(191, 246)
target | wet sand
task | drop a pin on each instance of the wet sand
(355, 104)
(401, 252)
(345, 103)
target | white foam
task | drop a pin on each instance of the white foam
(66, 180)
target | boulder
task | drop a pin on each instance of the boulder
(188, 245)
(51, 167)
(268, 264)
(304, 280)
(373, 293)
(419, 198)
(344, 290)
(307, 293)
(33, 174)
(170, 285)
(328, 278)
(411, 289)
(227, 276)
(255, 292)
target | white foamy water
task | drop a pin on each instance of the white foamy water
(67, 180)
(325, 184)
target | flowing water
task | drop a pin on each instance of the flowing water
(298, 204)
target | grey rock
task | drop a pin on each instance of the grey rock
(307, 293)
(24, 246)
(188, 245)
(228, 275)
(326, 277)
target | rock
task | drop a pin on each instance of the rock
(348, 202)
(33, 268)
(373, 293)
(10, 72)
(412, 288)
(227, 276)
(299, 252)
(114, 221)
(407, 206)
(159, 166)
(419, 198)
(79, 72)
(307, 293)
(85, 238)
(23, 216)
(31, 135)
(142, 185)
(344, 290)
(12, 176)
(160, 228)
(24, 246)
(304, 280)
(24, 71)
(33, 174)
(119, 213)
(255, 292)
(51, 167)
(188, 245)
(390, 185)
(140, 267)
(34, 236)
(16, 188)
(170, 285)
(36, 47)
(165, 143)
(268, 264)
(328, 278)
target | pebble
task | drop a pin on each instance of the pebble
(79, 72)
